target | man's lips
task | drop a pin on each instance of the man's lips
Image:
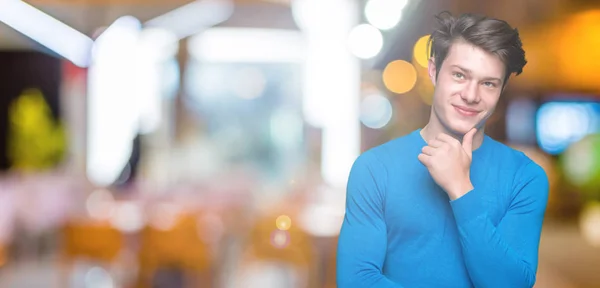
(466, 111)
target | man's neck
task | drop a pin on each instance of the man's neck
(434, 128)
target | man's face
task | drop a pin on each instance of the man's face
(467, 87)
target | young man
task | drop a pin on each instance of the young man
(447, 206)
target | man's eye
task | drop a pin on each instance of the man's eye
(489, 84)
(458, 75)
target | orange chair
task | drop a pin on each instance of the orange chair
(178, 246)
(96, 241)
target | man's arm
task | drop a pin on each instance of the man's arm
(362, 242)
(505, 255)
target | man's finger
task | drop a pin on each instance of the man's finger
(467, 143)
(428, 150)
(436, 143)
(425, 159)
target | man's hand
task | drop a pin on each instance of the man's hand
(449, 163)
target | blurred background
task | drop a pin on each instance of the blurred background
(149, 143)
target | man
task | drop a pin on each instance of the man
(447, 206)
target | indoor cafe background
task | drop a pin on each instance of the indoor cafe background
(148, 143)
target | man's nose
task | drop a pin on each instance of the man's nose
(470, 93)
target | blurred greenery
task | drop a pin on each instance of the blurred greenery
(581, 166)
(36, 140)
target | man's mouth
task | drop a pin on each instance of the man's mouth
(466, 111)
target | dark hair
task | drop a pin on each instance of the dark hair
(492, 35)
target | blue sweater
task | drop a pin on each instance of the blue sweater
(402, 230)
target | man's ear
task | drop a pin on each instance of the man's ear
(432, 71)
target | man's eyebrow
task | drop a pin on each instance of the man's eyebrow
(492, 79)
(467, 71)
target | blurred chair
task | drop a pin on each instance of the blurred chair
(178, 247)
(293, 248)
(92, 241)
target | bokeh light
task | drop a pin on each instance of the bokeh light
(384, 14)
(365, 41)
(98, 277)
(420, 51)
(283, 222)
(280, 239)
(314, 14)
(589, 222)
(128, 217)
(570, 54)
(100, 204)
(581, 164)
(399, 76)
(323, 217)
(560, 124)
(578, 63)
(375, 111)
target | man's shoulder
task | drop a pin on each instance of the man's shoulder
(509, 154)
(392, 151)
(376, 164)
(518, 160)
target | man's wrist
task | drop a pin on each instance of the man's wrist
(460, 190)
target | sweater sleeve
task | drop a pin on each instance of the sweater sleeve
(505, 255)
(362, 242)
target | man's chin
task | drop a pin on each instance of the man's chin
(461, 129)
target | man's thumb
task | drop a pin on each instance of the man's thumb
(467, 142)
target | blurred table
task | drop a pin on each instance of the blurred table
(565, 259)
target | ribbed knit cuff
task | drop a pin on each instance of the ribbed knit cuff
(467, 207)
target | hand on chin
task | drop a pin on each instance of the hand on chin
(460, 128)
(449, 161)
